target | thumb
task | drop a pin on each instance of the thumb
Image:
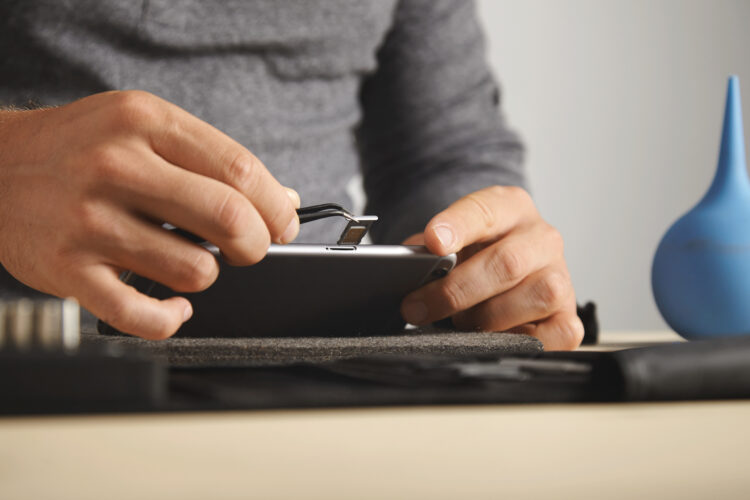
(414, 239)
(440, 238)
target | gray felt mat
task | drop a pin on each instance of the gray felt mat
(218, 352)
(192, 352)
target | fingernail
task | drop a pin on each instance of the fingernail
(187, 313)
(294, 196)
(445, 236)
(415, 311)
(291, 231)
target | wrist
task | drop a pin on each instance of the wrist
(15, 134)
(8, 123)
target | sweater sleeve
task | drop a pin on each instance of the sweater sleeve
(431, 130)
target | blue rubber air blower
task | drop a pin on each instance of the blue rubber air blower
(701, 271)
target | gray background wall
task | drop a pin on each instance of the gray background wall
(620, 103)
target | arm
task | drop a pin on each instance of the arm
(84, 189)
(442, 169)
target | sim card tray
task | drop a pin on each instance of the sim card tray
(356, 228)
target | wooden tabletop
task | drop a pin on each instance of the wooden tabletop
(663, 450)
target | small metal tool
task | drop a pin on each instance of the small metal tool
(357, 225)
(47, 324)
(356, 228)
(20, 323)
(316, 212)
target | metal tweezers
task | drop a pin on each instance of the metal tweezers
(316, 212)
(356, 228)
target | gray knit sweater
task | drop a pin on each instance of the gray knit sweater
(318, 89)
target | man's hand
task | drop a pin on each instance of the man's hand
(85, 188)
(511, 275)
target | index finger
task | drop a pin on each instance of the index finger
(481, 216)
(192, 144)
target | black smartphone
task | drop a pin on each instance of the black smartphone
(306, 291)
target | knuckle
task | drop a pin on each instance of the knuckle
(576, 332)
(133, 102)
(93, 221)
(508, 265)
(259, 248)
(554, 238)
(232, 215)
(498, 190)
(519, 194)
(243, 172)
(249, 253)
(571, 333)
(482, 209)
(132, 109)
(67, 264)
(125, 316)
(103, 164)
(453, 294)
(201, 273)
(119, 314)
(68, 258)
(278, 221)
(552, 290)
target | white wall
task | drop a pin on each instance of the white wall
(620, 104)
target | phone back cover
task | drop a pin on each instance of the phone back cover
(336, 293)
